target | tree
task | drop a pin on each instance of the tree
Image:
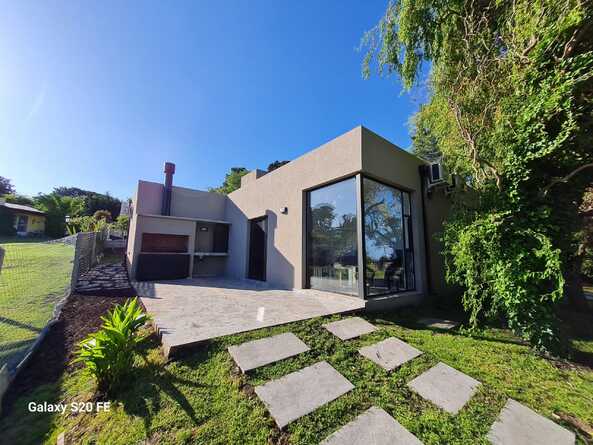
(57, 208)
(276, 164)
(232, 181)
(510, 110)
(19, 199)
(102, 214)
(6, 222)
(93, 201)
(6, 187)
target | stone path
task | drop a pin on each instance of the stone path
(437, 323)
(268, 350)
(105, 280)
(446, 387)
(390, 353)
(350, 328)
(373, 427)
(518, 425)
(302, 392)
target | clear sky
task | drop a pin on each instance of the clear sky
(98, 94)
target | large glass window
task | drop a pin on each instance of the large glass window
(332, 249)
(389, 260)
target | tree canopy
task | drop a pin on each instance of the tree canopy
(232, 181)
(6, 187)
(511, 113)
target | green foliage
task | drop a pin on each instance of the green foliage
(122, 223)
(200, 397)
(276, 164)
(510, 112)
(6, 222)
(6, 187)
(86, 224)
(19, 199)
(93, 201)
(57, 208)
(232, 181)
(108, 354)
(102, 214)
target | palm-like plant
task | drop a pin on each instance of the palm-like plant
(108, 354)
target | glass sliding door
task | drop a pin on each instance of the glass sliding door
(389, 259)
(332, 242)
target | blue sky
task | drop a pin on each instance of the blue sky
(99, 94)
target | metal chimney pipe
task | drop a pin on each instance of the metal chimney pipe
(169, 172)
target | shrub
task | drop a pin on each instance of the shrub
(102, 214)
(108, 354)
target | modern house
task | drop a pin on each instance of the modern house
(26, 220)
(356, 216)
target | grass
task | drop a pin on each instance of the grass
(202, 399)
(33, 277)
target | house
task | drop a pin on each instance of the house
(356, 216)
(27, 220)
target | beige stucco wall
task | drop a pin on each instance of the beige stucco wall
(185, 203)
(385, 161)
(357, 151)
(280, 188)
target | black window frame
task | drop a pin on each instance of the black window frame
(409, 236)
(360, 233)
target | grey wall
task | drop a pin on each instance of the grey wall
(280, 188)
(197, 204)
(385, 161)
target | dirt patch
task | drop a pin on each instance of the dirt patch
(79, 317)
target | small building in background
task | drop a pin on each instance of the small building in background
(27, 221)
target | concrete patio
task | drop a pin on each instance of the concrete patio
(190, 311)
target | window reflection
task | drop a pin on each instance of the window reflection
(389, 262)
(332, 246)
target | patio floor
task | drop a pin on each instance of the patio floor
(191, 311)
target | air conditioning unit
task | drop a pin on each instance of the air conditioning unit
(436, 173)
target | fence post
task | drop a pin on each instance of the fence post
(1, 258)
(76, 265)
(93, 258)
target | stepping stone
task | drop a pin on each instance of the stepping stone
(349, 328)
(390, 353)
(446, 387)
(258, 353)
(519, 425)
(437, 323)
(373, 427)
(302, 392)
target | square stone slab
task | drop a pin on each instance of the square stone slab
(446, 387)
(373, 427)
(437, 323)
(390, 353)
(518, 425)
(268, 350)
(302, 392)
(349, 328)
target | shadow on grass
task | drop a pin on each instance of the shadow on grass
(18, 324)
(148, 383)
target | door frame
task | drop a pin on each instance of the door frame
(265, 252)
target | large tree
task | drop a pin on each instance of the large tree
(6, 187)
(511, 113)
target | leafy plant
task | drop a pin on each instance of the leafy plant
(108, 354)
(509, 110)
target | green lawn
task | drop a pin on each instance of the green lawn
(34, 276)
(200, 399)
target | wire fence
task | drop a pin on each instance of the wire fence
(35, 277)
